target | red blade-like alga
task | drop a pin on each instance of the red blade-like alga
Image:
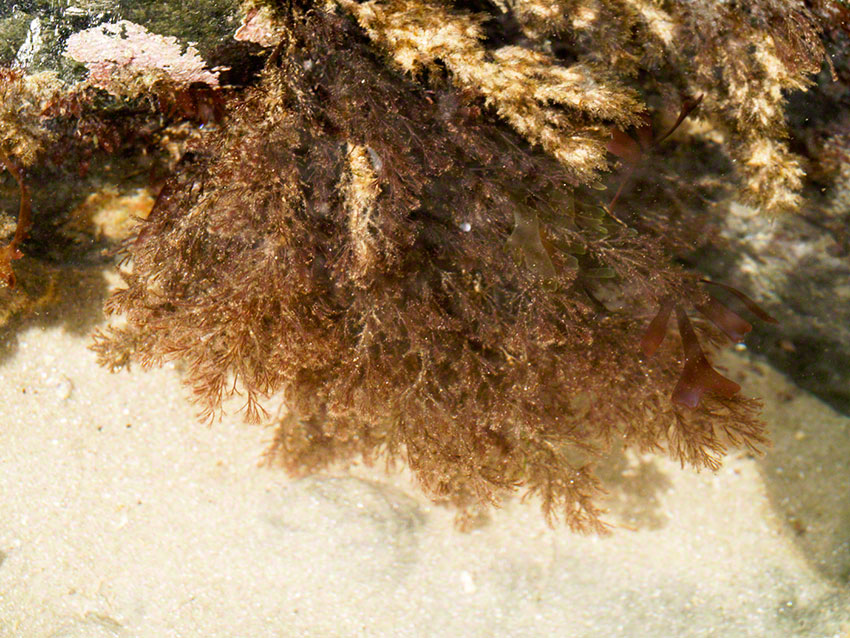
(697, 375)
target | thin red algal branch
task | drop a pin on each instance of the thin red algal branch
(657, 330)
(631, 152)
(10, 251)
(751, 305)
(728, 321)
(625, 147)
(688, 106)
(697, 376)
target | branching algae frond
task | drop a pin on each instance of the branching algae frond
(410, 251)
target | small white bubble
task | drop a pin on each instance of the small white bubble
(466, 227)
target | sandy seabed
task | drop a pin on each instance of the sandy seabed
(121, 515)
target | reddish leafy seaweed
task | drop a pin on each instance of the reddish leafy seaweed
(698, 376)
(11, 251)
(634, 149)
